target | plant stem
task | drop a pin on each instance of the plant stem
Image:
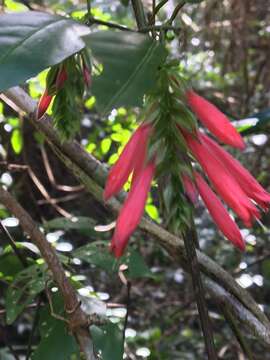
(191, 241)
(12, 243)
(89, 9)
(175, 12)
(240, 338)
(93, 20)
(139, 13)
(34, 326)
(159, 6)
(127, 314)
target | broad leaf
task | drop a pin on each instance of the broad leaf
(77, 223)
(98, 254)
(137, 267)
(32, 41)
(108, 340)
(54, 334)
(56, 344)
(22, 291)
(130, 63)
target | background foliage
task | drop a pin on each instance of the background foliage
(223, 47)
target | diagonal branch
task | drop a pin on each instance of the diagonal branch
(90, 172)
(77, 319)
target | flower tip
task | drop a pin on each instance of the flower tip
(116, 250)
(43, 104)
(106, 196)
(241, 245)
(240, 144)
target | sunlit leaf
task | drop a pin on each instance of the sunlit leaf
(16, 141)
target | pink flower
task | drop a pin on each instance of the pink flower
(43, 104)
(46, 98)
(190, 189)
(132, 156)
(225, 184)
(87, 75)
(61, 78)
(247, 182)
(215, 121)
(132, 210)
(219, 214)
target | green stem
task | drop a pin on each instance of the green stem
(159, 6)
(139, 13)
(175, 12)
(89, 9)
(93, 20)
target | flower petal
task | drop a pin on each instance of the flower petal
(214, 120)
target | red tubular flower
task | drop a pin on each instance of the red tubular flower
(224, 183)
(219, 214)
(43, 104)
(214, 120)
(132, 156)
(247, 182)
(86, 75)
(190, 189)
(61, 78)
(46, 99)
(132, 210)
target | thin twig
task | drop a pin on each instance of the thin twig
(253, 263)
(240, 338)
(175, 12)
(89, 8)
(46, 195)
(139, 13)
(51, 177)
(109, 24)
(78, 321)
(159, 6)
(159, 27)
(127, 314)
(12, 243)
(13, 351)
(190, 239)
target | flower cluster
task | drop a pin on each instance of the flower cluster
(133, 160)
(56, 79)
(229, 179)
(234, 184)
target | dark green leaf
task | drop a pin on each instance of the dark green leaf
(56, 344)
(108, 339)
(98, 254)
(137, 267)
(10, 265)
(22, 291)
(35, 41)
(54, 334)
(77, 223)
(130, 63)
